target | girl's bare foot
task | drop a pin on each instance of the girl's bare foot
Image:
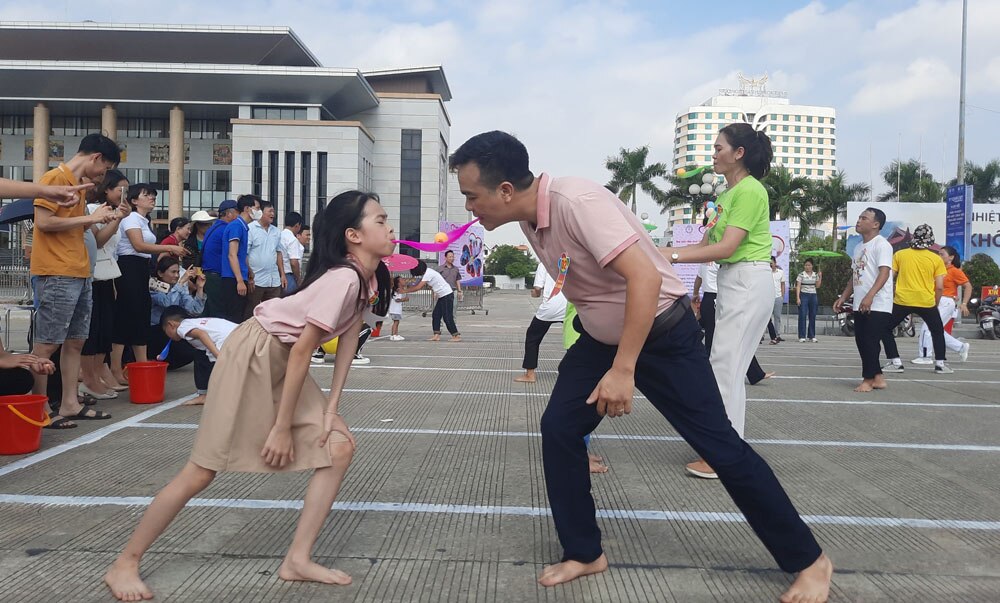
(456, 338)
(310, 571)
(435, 338)
(125, 584)
(527, 377)
(596, 466)
(769, 374)
(196, 401)
(812, 584)
(595, 457)
(571, 570)
(866, 386)
(879, 382)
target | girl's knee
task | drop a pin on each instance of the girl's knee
(341, 452)
(197, 476)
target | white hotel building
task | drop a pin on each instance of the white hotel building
(804, 137)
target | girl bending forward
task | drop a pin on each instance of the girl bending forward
(264, 412)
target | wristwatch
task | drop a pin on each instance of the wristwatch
(674, 257)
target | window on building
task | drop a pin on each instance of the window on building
(306, 183)
(409, 186)
(290, 183)
(692, 136)
(272, 180)
(321, 175)
(257, 172)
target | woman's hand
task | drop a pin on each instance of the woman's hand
(178, 250)
(278, 450)
(333, 422)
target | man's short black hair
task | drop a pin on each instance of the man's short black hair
(170, 313)
(449, 251)
(99, 143)
(500, 158)
(420, 269)
(265, 204)
(878, 214)
(305, 227)
(293, 219)
(246, 201)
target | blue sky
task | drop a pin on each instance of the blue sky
(577, 80)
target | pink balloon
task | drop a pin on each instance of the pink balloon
(452, 237)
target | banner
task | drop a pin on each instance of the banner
(468, 250)
(781, 251)
(958, 218)
(902, 218)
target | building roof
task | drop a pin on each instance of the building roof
(432, 79)
(149, 43)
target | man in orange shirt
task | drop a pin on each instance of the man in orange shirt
(60, 269)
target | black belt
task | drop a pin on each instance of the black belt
(669, 318)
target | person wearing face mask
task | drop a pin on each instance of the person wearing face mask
(237, 278)
(265, 259)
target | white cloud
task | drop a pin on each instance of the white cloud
(923, 79)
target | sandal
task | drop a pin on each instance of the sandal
(60, 423)
(99, 415)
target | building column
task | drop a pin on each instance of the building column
(40, 164)
(176, 207)
(109, 122)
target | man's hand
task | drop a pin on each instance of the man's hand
(866, 304)
(241, 288)
(613, 394)
(284, 282)
(31, 362)
(964, 307)
(64, 196)
(838, 305)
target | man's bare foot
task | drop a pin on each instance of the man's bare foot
(125, 584)
(196, 401)
(812, 584)
(879, 382)
(866, 386)
(595, 457)
(571, 570)
(596, 464)
(527, 377)
(310, 571)
(435, 338)
(456, 338)
(770, 374)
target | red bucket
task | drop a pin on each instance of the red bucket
(146, 381)
(21, 421)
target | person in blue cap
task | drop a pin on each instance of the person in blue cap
(212, 255)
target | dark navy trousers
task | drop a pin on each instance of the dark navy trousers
(674, 374)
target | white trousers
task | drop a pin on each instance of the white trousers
(947, 310)
(743, 307)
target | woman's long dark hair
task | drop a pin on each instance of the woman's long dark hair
(956, 260)
(99, 194)
(344, 211)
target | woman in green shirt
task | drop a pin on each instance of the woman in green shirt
(739, 239)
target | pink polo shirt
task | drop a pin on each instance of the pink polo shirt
(592, 226)
(330, 303)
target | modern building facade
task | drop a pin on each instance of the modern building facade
(207, 113)
(804, 137)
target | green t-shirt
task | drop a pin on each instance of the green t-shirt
(745, 206)
(569, 333)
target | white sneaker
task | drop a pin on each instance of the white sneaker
(83, 390)
(396, 338)
(943, 369)
(802, 339)
(923, 360)
(814, 340)
(360, 360)
(893, 368)
(318, 357)
(964, 352)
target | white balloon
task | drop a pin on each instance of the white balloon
(694, 189)
(706, 189)
(707, 178)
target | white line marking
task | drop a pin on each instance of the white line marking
(92, 436)
(633, 438)
(877, 403)
(395, 507)
(897, 380)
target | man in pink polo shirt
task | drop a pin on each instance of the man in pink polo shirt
(636, 330)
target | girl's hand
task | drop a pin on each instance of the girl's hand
(278, 450)
(334, 422)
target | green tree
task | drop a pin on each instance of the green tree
(835, 271)
(629, 173)
(982, 272)
(915, 183)
(786, 195)
(678, 195)
(985, 181)
(502, 256)
(830, 198)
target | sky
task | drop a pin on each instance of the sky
(576, 81)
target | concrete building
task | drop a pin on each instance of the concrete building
(804, 137)
(207, 113)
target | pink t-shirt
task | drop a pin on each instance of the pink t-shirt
(330, 303)
(592, 226)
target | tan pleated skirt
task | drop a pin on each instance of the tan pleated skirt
(242, 404)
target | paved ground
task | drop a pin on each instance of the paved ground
(445, 500)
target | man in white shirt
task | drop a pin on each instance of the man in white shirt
(550, 311)
(265, 259)
(871, 285)
(779, 301)
(292, 250)
(445, 305)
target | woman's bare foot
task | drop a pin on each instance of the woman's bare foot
(866, 386)
(435, 338)
(879, 382)
(571, 570)
(596, 464)
(770, 374)
(125, 584)
(812, 584)
(196, 401)
(455, 338)
(310, 571)
(527, 377)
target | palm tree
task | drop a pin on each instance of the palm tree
(788, 199)
(985, 181)
(915, 184)
(629, 173)
(678, 195)
(831, 196)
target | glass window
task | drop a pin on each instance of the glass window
(257, 172)
(692, 136)
(809, 118)
(321, 176)
(409, 177)
(306, 183)
(272, 179)
(290, 181)
(273, 113)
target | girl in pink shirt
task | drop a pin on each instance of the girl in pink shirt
(264, 412)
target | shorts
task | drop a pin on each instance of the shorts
(64, 306)
(395, 316)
